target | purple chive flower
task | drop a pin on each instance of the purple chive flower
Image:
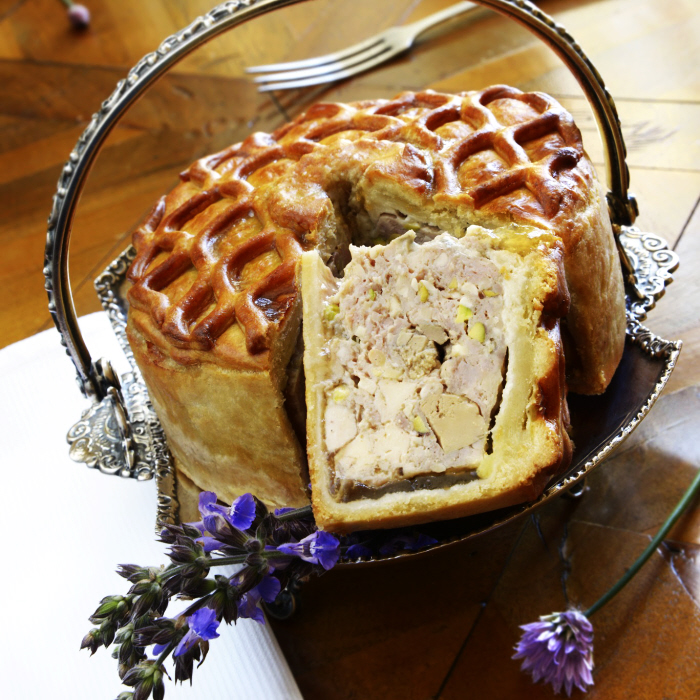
(558, 650)
(317, 548)
(78, 15)
(203, 625)
(240, 515)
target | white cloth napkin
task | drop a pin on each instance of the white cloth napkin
(65, 529)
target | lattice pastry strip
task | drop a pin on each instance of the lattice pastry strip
(506, 141)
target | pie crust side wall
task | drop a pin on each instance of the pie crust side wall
(206, 410)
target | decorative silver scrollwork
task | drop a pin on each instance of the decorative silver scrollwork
(653, 263)
(99, 438)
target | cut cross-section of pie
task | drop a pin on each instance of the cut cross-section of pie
(434, 376)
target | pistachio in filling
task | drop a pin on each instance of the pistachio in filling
(416, 349)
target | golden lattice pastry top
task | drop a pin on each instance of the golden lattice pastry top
(214, 275)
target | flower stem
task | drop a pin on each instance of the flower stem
(225, 561)
(304, 512)
(240, 558)
(220, 561)
(641, 560)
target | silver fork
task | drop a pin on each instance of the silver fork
(354, 59)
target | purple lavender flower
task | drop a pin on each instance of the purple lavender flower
(558, 650)
(203, 625)
(411, 542)
(240, 515)
(356, 551)
(158, 649)
(268, 590)
(209, 544)
(248, 607)
(210, 510)
(242, 512)
(317, 548)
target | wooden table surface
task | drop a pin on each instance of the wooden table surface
(443, 624)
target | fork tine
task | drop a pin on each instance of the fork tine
(329, 77)
(316, 60)
(327, 69)
(355, 59)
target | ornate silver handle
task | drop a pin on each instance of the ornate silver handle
(93, 383)
(96, 379)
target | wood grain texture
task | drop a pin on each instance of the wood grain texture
(443, 625)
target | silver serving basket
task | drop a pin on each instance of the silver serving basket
(120, 434)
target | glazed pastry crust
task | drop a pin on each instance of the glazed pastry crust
(530, 440)
(205, 410)
(214, 304)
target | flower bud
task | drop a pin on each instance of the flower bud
(153, 598)
(125, 633)
(185, 552)
(144, 678)
(161, 631)
(247, 578)
(79, 16)
(255, 560)
(168, 534)
(108, 607)
(196, 588)
(253, 545)
(158, 688)
(140, 587)
(107, 631)
(190, 530)
(128, 652)
(92, 641)
(133, 572)
(224, 602)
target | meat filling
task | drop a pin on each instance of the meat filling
(417, 354)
